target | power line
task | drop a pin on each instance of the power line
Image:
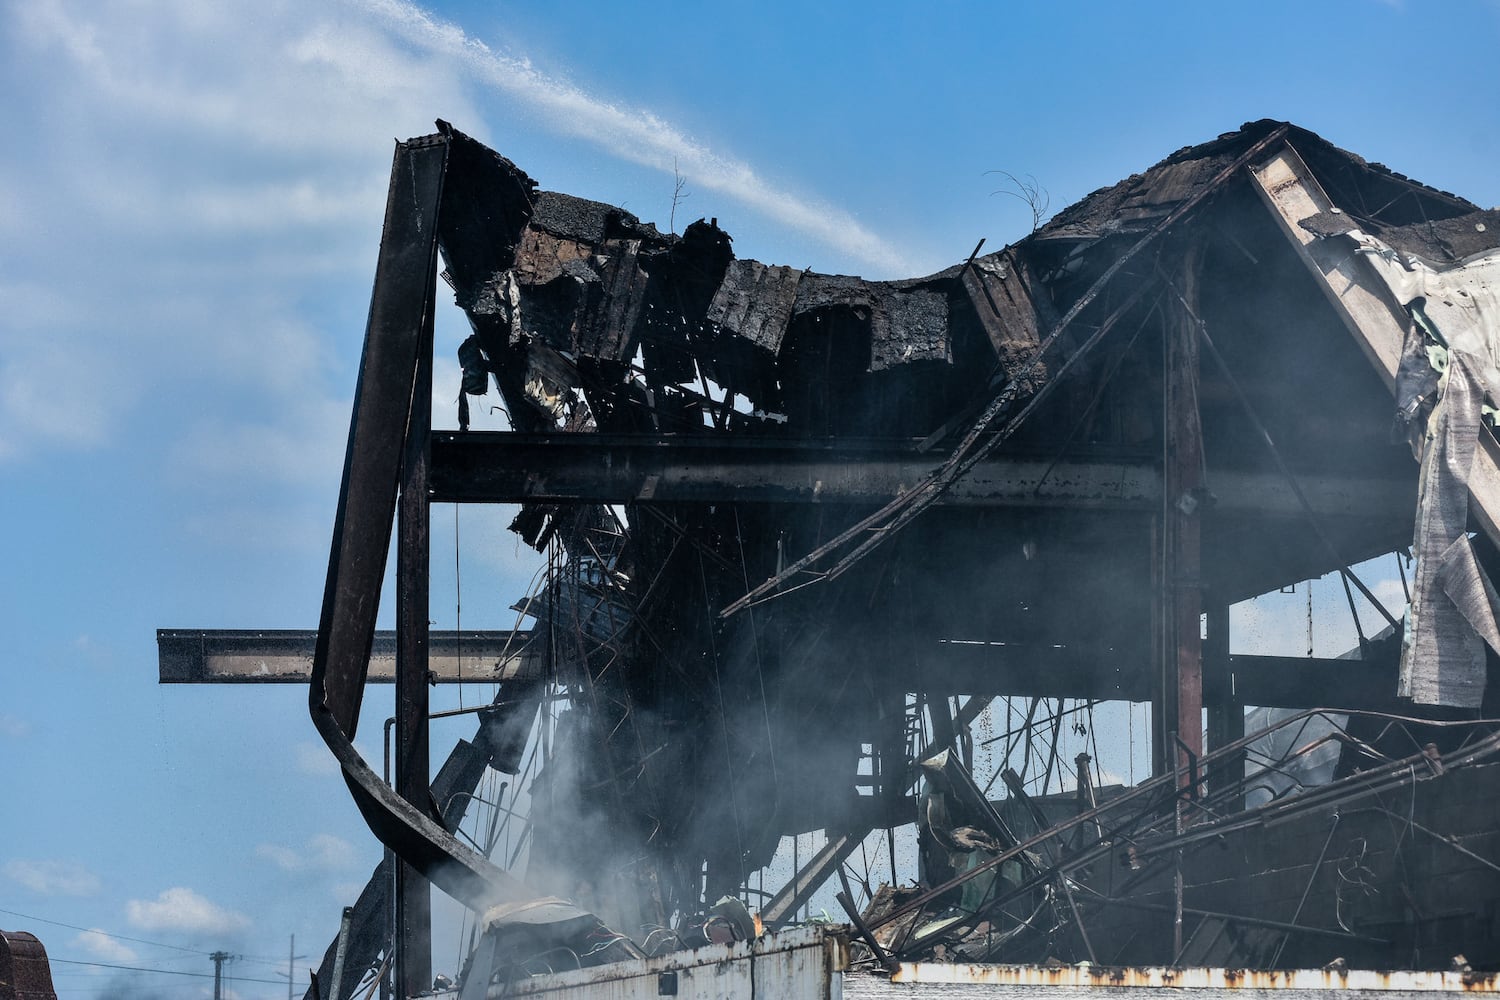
(122, 937)
(164, 972)
(95, 930)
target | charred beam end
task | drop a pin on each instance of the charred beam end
(284, 656)
(503, 467)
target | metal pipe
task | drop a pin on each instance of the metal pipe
(881, 955)
(345, 920)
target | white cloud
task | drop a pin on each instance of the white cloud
(322, 852)
(201, 175)
(53, 878)
(13, 727)
(280, 855)
(182, 909)
(205, 174)
(315, 759)
(104, 946)
(635, 134)
(329, 852)
(346, 892)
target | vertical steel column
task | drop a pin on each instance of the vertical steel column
(1226, 713)
(1182, 587)
(413, 557)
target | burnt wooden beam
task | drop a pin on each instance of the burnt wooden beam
(505, 467)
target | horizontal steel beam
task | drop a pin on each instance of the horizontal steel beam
(230, 656)
(284, 656)
(503, 467)
(1060, 671)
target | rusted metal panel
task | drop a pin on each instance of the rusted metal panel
(285, 656)
(1162, 977)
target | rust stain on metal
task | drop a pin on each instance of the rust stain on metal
(1353, 980)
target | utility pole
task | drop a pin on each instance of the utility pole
(219, 958)
(291, 966)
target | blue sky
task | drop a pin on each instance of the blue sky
(190, 204)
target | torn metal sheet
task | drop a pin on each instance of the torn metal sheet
(1454, 608)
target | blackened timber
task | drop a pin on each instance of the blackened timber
(505, 467)
(755, 303)
(285, 656)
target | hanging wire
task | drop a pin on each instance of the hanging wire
(458, 607)
(760, 677)
(1359, 630)
(734, 803)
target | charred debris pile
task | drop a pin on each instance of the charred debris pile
(802, 528)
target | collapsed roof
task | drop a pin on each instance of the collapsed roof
(790, 511)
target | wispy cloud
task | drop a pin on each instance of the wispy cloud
(322, 852)
(202, 180)
(314, 759)
(636, 135)
(53, 878)
(183, 910)
(105, 946)
(13, 727)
